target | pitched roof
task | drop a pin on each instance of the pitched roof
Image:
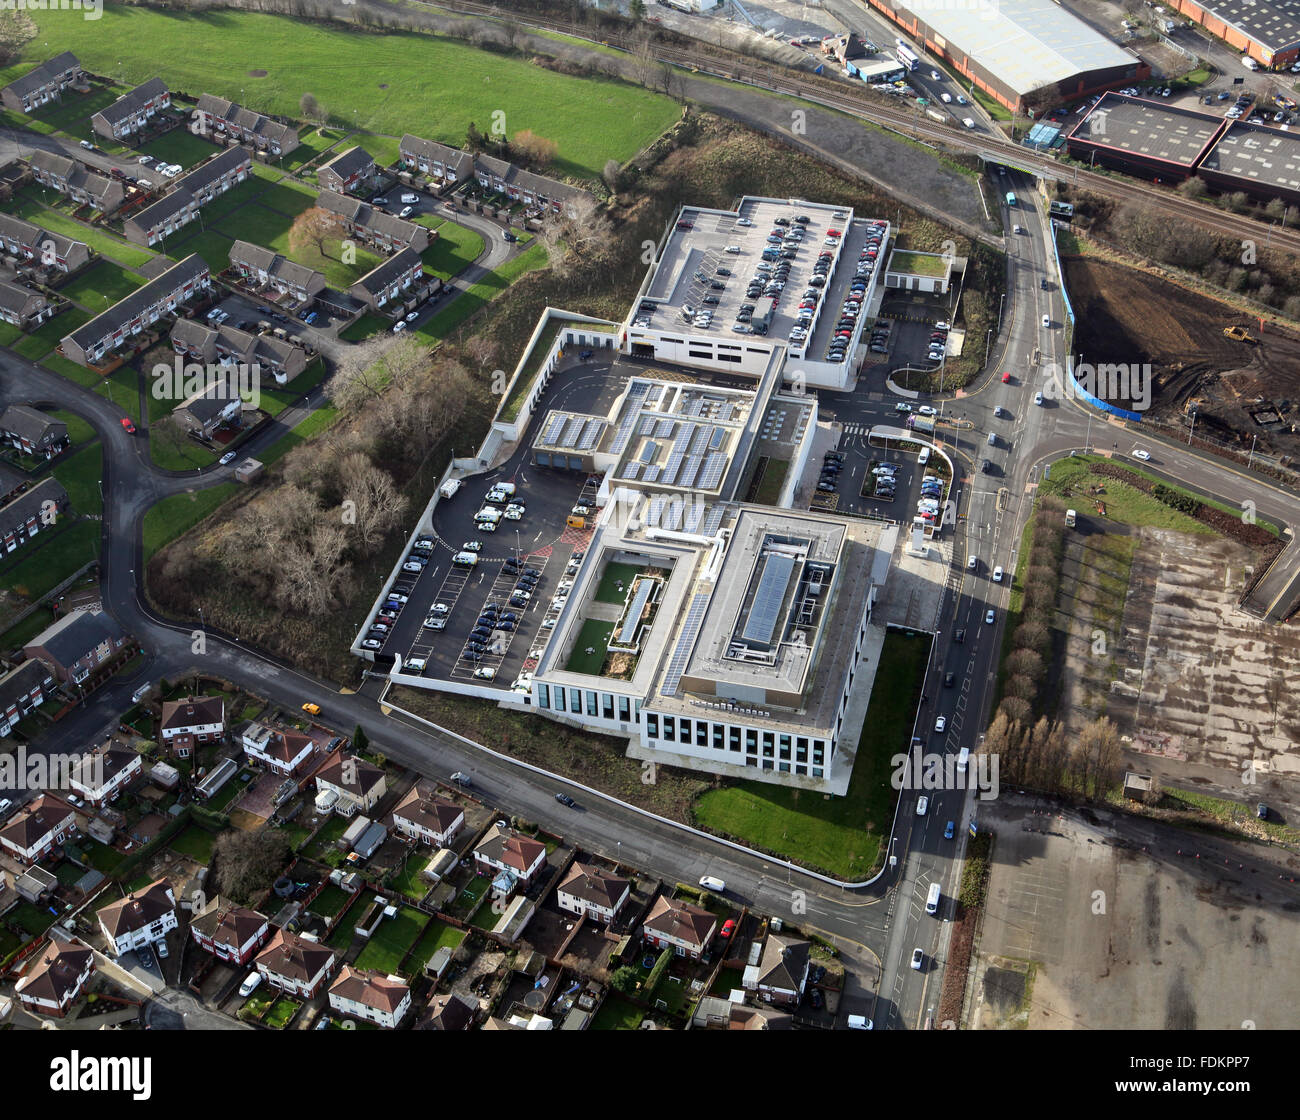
(16, 299)
(131, 103)
(460, 162)
(29, 423)
(190, 711)
(503, 846)
(364, 774)
(214, 169)
(247, 119)
(55, 971)
(95, 770)
(386, 272)
(285, 745)
(369, 988)
(784, 963)
(275, 264)
(294, 957)
(43, 73)
(349, 163)
(217, 394)
(447, 1012)
(367, 217)
(38, 819)
(594, 886)
(681, 920)
(32, 504)
(421, 808)
(160, 212)
(20, 681)
(227, 924)
(190, 270)
(77, 175)
(76, 634)
(138, 909)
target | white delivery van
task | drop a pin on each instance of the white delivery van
(932, 899)
(924, 457)
(710, 883)
(466, 559)
(963, 758)
(448, 489)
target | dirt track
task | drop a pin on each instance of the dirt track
(1129, 317)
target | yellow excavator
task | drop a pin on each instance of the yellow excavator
(1240, 334)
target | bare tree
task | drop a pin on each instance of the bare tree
(482, 351)
(315, 227)
(645, 67)
(538, 150)
(377, 504)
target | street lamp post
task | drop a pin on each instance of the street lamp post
(1251, 458)
(988, 341)
(1191, 429)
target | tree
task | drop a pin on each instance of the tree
(310, 108)
(360, 740)
(625, 980)
(315, 227)
(537, 150)
(645, 67)
(377, 505)
(1193, 188)
(482, 351)
(246, 863)
(636, 9)
(611, 173)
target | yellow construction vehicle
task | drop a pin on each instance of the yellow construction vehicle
(1240, 334)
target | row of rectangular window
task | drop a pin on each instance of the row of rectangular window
(706, 733)
(598, 704)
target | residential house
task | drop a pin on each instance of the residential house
(389, 282)
(369, 995)
(422, 816)
(358, 784)
(141, 918)
(80, 183)
(212, 178)
(591, 893)
(32, 834)
(446, 165)
(190, 721)
(502, 849)
(43, 83)
(348, 171)
(523, 186)
(78, 644)
(55, 978)
(284, 752)
(684, 928)
(295, 965)
(782, 971)
(33, 432)
(381, 231)
(21, 518)
(26, 241)
(132, 111)
(101, 775)
(266, 268)
(447, 1012)
(22, 691)
(228, 345)
(176, 210)
(230, 933)
(224, 122)
(164, 295)
(25, 308)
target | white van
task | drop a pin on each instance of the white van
(859, 1023)
(963, 758)
(709, 883)
(466, 559)
(141, 692)
(251, 981)
(924, 457)
(932, 899)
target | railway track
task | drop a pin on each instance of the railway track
(831, 94)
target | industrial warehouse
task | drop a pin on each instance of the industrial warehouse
(1267, 32)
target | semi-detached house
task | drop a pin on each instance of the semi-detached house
(227, 345)
(33, 432)
(264, 268)
(79, 643)
(295, 965)
(358, 786)
(25, 308)
(284, 752)
(423, 816)
(347, 171)
(104, 773)
(390, 281)
(22, 691)
(141, 918)
(164, 295)
(132, 111)
(684, 928)
(37, 830)
(504, 850)
(230, 933)
(55, 978)
(190, 721)
(369, 995)
(591, 893)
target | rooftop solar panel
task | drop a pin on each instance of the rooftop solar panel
(624, 433)
(690, 470)
(574, 429)
(649, 452)
(682, 651)
(701, 438)
(717, 438)
(768, 599)
(553, 430)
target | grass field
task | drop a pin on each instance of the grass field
(101, 286)
(24, 631)
(388, 944)
(452, 251)
(842, 835)
(479, 295)
(594, 635)
(382, 83)
(79, 475)
(46, 337)
(181, 512)
(309, 428)
(363, 328)
(50, 560)
(78, 430)
(173, 450)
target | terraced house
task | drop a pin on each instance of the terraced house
(78, 644)
(205, 183)
(274, 358)
(23, 307)
(164, 295)
(263, 268)
(29, 513)
(348, 171)
(224, 122)
(22, 691)
(438, 161)
(28, 242)
(132, 111)
(43, 83)
(33, 432)
(382, 231)
(391, 281)
(77, 181)
(523, 186)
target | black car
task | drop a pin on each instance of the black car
(481, 633)
(471, 655)
(948, 680)
(986, 466)
(565, 799)
(475, 647)
(826, 487)
(959, 636)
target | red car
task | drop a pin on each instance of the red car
(1005, 378)
(728, 928)
(126, 423)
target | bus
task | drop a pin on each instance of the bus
(907, 57)
(1011, 198)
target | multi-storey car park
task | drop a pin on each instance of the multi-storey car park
(710, 631)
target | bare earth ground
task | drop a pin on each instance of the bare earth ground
(1130, 317)
(1095, 921)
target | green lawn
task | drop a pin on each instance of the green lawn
(364, 327)
(51, 558)
(42, 340)
(769, 486)
(616, 1014)
(390, 941)
(409, 880)
(437, 935)
(281, 1012)
(101, 286)
(98, 239)
(412, 78)
(481, 294)
(172, 449)
(194, 842)
(72, 371)
(25, 631)
(276, 399)
(1123, 503)
(330, 901)
(9, 334)
(331, 831)
(32, 918)
(453, 250)
(594, 635)
(79, 431)
(608, 591)
(80, 476)
(176, 515)
(842, 835)
(101, 857)
(180, 146)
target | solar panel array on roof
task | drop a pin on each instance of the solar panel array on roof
(649, 452)
(591, 435)
(647, 425)
(652, 474)
(574, 430)
(628, 422)
(690, 470)
(716, 440)
(725, 411)
(768, 599)
(714, 465)
(701, 438)
(669, 475)
(643, 589)
(694, 515)
(631, 470)
(656, 511)
(553, 430)
(665, 429)
(652, 393)
(713, 520)
(682, 651)
(673, 516)
(683, 437)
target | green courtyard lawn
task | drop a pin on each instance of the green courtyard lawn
(409, 881)
(180, 146)
(72, 371)
(608, 591)
(842, 835)
(176, 515)
(369, 324)
(97, 238)
(23, 632)
(9, 334)
(282, 1010)
(47, 336)
(101, 286)
(51, 558)
(195, 842)
(414, 78)
(275, 399)
(31, 918)
(390, 941)
(384, 150)
(617, 1014)
(80, 476)
(453, 250)
(594, 635)
(330, 833)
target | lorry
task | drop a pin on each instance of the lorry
(448, 489)
(1070, 517)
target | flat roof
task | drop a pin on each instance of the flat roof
(1257, 154)
(1024, 44)
(1149, 129)
(1274, 25)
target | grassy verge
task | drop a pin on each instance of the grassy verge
(80, 476)
(308, 429)
(52, 559)
(181, 512)
(1123, 503)
(479, 295)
